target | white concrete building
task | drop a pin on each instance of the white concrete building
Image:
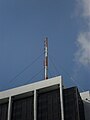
(86, 100)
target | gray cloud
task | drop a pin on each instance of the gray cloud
(86, 7)
(82, 54)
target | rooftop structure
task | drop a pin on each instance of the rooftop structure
(86, 100)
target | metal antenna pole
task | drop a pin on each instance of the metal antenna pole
(46, 58)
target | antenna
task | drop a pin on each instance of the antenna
(46, 58)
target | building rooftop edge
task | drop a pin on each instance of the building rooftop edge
(31, 87)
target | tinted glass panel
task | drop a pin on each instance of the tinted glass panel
(22, 109)
(48, 105)
(3, 111)
(73, 106)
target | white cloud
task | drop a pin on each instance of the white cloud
(83, 53)
(86, 7)
(83, 41)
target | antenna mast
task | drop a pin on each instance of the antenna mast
(46, 58)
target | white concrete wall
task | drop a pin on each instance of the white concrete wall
(86, 100)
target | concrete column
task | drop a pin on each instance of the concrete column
(61, 99)
(9, 108)
(35, 105)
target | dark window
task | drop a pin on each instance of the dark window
(3, 111)
(48, 105)
(22, 109)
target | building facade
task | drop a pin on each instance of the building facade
(43, 100)
(73, 104)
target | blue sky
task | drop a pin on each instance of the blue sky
(24, 24)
